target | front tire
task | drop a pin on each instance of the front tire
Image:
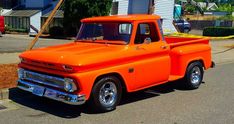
(194, 75)
(106, 94)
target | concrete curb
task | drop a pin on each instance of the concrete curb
(4, 94)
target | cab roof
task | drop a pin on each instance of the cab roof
(129, 18)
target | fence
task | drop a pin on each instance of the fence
(201, 24)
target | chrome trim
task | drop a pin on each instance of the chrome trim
(53, 94)
(44, 77)
(196, 75)
(108, 94)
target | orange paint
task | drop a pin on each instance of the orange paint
(140, 65)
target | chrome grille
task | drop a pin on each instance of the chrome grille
(44, 79)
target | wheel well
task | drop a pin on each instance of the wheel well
(200, 60)
(115, 75)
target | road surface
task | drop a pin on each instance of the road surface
(212, 103)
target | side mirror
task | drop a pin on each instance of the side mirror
(147, 40)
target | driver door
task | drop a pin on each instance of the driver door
(154, 66)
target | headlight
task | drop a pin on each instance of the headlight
(21, 73)
(69, 85)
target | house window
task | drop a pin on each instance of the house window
(115, 6)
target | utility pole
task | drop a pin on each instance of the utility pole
(31, 45)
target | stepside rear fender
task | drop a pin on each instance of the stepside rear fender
(181, 56)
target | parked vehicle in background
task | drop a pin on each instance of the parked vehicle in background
(112, 55)
(183, 25)
(2, 25)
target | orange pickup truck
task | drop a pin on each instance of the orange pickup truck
(112, 55)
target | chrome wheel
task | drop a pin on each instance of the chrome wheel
(196, 75)
(193, 76)
(108, 94)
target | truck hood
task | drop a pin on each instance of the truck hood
(76, 54)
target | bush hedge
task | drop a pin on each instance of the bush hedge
(218, 31)
(10, 29)
(17, 30)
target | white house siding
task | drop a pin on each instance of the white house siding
(123, 7)
(35, 21)
(165, 8)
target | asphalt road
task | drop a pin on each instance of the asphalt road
(18, 43)
(12, 45)
(212, 103)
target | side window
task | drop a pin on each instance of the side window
(125, 28)
(146, 32)
(144, 29)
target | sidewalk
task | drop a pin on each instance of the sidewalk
(9, 58)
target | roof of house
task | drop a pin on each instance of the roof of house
(58, 14)
(210, 5)
(134, 17)
(22, 13)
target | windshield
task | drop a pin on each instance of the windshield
(116, 33)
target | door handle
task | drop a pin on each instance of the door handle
(163, 47)
(140, 48)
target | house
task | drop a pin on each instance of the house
(26, 14)
(7, 5)
(56, 22)
(207, 6)
(164, 8)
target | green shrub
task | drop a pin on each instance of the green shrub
(190, 8)
(7, 28)
(218, 31)
(227, 17)
(56, 31)
(18, 30)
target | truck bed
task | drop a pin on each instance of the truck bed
(183, 49)
(180, 41)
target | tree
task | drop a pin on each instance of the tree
(190, 8)
(75, 10)
(226, 8)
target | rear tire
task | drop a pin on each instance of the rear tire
(106, 94)
(194, 76)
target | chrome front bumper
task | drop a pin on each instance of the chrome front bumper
(53, 94)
